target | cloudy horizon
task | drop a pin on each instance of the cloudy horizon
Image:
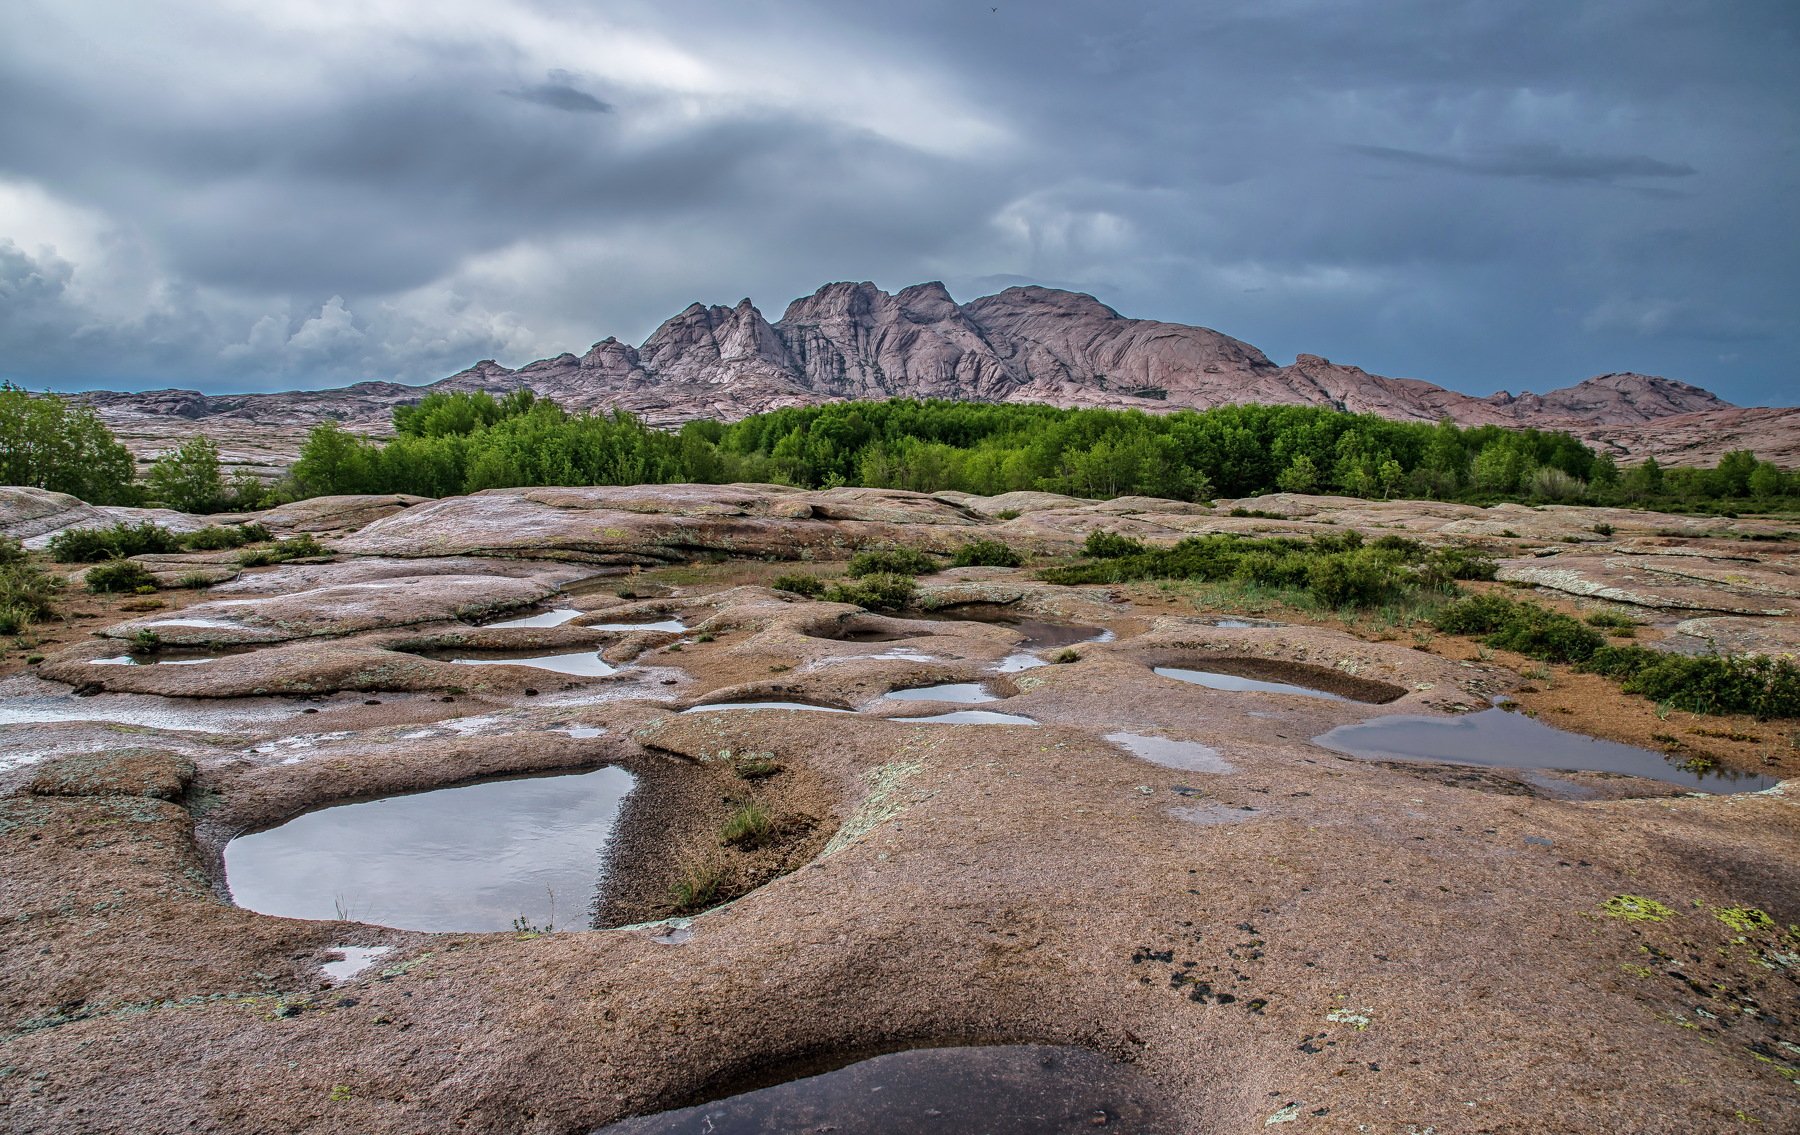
(230, 196)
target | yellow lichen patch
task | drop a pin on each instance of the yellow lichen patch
(1634, 908)
(1744, 919)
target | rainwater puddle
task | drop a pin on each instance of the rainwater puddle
(473, 858)
(585, 663)
(965, 692)
(1213, 680)
(208, 624)
(1189, 756)
(1498, 738)
(719, 706)
(674, 626)
(999, 1090)
(1042, 636)
(969, 717)
(355, 960)
(143, 710)
(555, 617)
(904, 654)
(581, 732)
(149, 660)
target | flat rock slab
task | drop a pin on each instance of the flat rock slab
(1648, 581)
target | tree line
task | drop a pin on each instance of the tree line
(452, 443)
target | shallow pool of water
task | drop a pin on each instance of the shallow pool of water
(1214, 680)
(998, 1090)
(673, 626)
(471, 858)
(148, 660)
(355, 959)
(1189, 756)
(555, 617)
(715, 707)
(585, 663)
(970, 717)
(1499, 738)
(965, 692)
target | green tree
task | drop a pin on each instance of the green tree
(1301, 476)
(1644, 480)
(188, 479)
(1766, 480)
(50, 443)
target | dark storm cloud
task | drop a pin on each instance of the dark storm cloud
(559, 93)
(1482, 195)
(1551, 162)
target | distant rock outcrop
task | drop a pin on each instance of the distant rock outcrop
(1025, 344)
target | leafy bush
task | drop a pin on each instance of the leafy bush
(1712, 684)
(799, 584)
(986, 553)
(92, 545)
(26, 590)
(1362, 578)
(1526, 628)
(1610, 620)
(188, 479)
(303, 546)
(891, 561)
(219, 538)
(883, 591)
(117, 576)
(1110, 546)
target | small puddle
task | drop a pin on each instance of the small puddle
(674, 626)
(207, 624)
(584, 663)
(477, 857)
(969, 717)
(355, 960)
(581, 732)
(718, 706)
(1214, 680)
(1025, 1089)
(149, 660)
(1502, 739)
(555, 617)
(964, 692)
(1189, 756)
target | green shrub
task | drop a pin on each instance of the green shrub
(1007, 514)
(986, 553)
(1110, 546)
(1475, 615)
(1459, 561)
(26, 590)
(1610, 620)
(117, 576)
(221, 537)
(1709, 683)
(883, 591)
(14, 619)
(1361, 578)
(12, 553)
(799, 583)
(891, 561)
(303, 546)
(93, 545)
(143, 642)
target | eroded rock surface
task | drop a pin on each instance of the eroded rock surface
(1269, 931)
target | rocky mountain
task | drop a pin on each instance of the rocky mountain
(1026, 344)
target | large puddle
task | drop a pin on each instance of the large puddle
(1000, 1090)
(488, 856)
(1217, 680)
(555, 617)
(1502, 739)
(719, 706)
(969, 717)
(585, 663)
(967, 693)
(671, 626)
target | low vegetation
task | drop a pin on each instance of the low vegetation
(116, 577)
(27, 591)
(882, 591)
(94, 545)
(986, 553)
(1712, 684)
(1335, 570)
(891, 561)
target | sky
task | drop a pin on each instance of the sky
(233, 196)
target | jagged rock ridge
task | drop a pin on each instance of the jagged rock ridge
(1025, 344)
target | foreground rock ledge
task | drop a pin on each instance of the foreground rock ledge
(1274, 928)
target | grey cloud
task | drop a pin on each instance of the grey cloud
(1388, 184)
(560, 93)
(1542, 160)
